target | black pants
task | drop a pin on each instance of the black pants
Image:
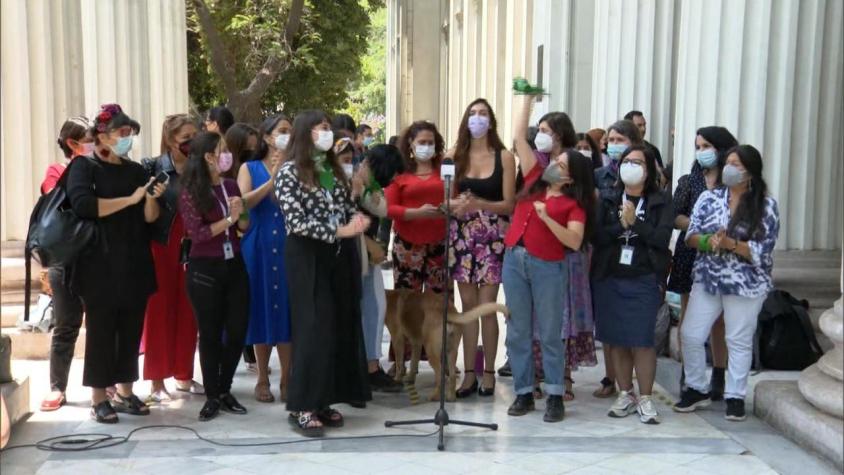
(67, 319)
(113, 327)
(329, 357)
(219, 293)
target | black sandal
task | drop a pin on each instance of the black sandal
(464, 393)
(607, 389)
(486, 392)
(330, 417)
(569, 393)
(130, 405)
(104, 413)
(304, 424)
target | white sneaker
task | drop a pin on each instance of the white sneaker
(647, 410)
(624, 405)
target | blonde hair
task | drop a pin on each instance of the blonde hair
(172, 124)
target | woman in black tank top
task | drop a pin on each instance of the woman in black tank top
(486, 177)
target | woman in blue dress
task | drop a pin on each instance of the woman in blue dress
(263, 251)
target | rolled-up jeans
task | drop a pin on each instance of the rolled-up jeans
(67, 319)
(533, 285)
(373, 307)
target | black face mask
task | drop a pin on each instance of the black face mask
(184, 147)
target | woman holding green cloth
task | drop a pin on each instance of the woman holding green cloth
(324, 276)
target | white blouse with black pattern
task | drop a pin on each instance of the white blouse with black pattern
(312, 212)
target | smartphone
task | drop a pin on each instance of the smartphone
(162, 177)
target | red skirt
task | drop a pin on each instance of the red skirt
(169, 339)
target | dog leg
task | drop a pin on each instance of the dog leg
(415, 356)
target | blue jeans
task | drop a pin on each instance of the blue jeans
(535, 286)
(373, 307)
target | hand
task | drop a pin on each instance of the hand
(157, 191)
(541, 210)
(275, 164)
(628, 214)
(428, 211)
(355, 226)
(456, 205)
(235, 207)
(717, 240)
(363, 174)
(140, 192)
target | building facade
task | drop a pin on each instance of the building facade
(771, 71)
(62, 58)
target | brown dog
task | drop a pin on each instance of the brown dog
(417, 316)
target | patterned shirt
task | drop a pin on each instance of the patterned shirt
(725, 272)
(312, 212)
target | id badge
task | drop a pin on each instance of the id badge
(228, 250)
(626, 255)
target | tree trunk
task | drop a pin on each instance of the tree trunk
(246, 108)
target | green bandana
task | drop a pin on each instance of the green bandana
(373, 187)
(326, 174)
(521, 86)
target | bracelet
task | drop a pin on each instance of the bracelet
(703, 243)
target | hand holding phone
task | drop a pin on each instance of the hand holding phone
(161, 178)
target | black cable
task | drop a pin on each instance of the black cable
(68, 443)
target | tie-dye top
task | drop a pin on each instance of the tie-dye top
(725, 272)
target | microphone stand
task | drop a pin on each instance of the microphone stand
(441, 418)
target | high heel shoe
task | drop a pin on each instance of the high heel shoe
(464, 393)
(486, 392)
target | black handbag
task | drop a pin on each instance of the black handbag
(57, 235)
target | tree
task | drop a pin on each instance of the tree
(368, 96)
(261, 56)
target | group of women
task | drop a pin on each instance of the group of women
(271, 237)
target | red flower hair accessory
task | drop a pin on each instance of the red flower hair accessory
(107, 112)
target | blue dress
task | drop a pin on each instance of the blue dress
(263, 252)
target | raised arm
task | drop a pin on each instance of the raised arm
(527, 160)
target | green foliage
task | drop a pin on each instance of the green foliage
(368, 93)
(328, 49)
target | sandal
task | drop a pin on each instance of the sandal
(191, 387)
(263, 393)
(466, 392)
(484, 391)
(104, 413)
(307, 424)
(53, 403)
(607, 389)
(330, 417)
(129, 405)
(569, 394)
(537, 392)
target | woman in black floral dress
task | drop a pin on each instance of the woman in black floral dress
(324, 278)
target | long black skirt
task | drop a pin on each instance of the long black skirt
(329, 357)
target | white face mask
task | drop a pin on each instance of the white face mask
(544, 142)
(281, 141)
(631, 174)
(325, 140)
(423, 153)
(348, 169)
(586, 153)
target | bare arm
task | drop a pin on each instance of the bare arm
(570, 235)
(526, 158)
(251, 197)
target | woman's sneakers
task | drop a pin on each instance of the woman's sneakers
(691, 399)
(647, 410)
(735, 410)
(624, 405)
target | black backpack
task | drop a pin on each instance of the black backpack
(57, 235)
(785, 339)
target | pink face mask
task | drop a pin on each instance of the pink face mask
(224, 163)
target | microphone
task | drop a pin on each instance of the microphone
(447, 175)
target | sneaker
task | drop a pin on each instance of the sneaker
(691, 399)
(735, 410)
(555, 410)
(624, 405)
(647, 410)
(379, 381)
(522, 405)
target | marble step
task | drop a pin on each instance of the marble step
(36, 346)
(16, 398)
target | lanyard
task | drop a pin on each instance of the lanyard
(224, 206)
(629, 233)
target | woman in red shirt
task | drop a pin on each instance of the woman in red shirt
(550, 219)
(413, 200)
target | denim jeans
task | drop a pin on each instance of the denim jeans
(535, 286)
(373, 306)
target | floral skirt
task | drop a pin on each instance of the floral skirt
(477, 248)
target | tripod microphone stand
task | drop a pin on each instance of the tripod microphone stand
(441, 418)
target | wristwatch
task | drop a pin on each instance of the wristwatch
(229, 220)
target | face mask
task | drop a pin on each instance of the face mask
(544, 142)
(122, 147)
(707, 158)
(224, 163)
(614, 150)
(325, 140)
(732, 176)
(553, 174)
(632, 174)
(586, 153)
(478, 125)
(423, 153)
(367, 141)
(348, 169)
(281, 141)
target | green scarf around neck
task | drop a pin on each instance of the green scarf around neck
(325, 173)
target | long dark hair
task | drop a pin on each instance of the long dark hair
(301, 148)
(267, 126)
(651, 183)
(196, 178)
(596, 151)
(385, 162)
(464, 139)
(561, 125)
(722, 140)
(409, 135)
(222, 116)
(751, 208)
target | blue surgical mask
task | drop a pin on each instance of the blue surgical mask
(123, 145)
(367, 141)
(614, 150)
(707, 158)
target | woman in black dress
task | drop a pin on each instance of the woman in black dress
(116, 276)
(324, 278)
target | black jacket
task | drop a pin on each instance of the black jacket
(169, 201)
(655, 231)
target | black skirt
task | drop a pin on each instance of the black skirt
(329, 357)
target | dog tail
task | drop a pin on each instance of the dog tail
(476, 313)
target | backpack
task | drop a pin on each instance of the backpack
(785, 339)
(57, 235)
